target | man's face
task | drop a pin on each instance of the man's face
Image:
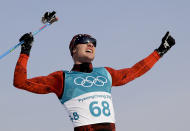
(83, 53)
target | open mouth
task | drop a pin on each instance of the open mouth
(89, 51)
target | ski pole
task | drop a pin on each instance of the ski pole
(20, 43)
(47, 23)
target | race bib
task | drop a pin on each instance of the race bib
(91, 108)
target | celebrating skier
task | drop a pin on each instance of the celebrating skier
(85, 91)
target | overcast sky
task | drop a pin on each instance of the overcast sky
(126, 32)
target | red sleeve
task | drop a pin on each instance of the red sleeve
(123, 76)
(53, 83)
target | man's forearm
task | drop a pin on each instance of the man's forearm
(20, 74)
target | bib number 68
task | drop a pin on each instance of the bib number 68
(95, 108)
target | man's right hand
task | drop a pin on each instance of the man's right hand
(27, 45)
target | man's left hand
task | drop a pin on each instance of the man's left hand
(167, 42)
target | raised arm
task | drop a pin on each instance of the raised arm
(123, 76)
(52, 83)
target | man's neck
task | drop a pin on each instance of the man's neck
(84, 67)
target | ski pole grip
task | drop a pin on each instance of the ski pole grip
(49, 17)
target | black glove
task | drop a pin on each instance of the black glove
(27, 45)
(167, 42)
(49, 17)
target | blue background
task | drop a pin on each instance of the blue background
(126, 32)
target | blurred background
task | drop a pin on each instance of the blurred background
(126, 31)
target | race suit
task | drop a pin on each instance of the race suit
(90, 105)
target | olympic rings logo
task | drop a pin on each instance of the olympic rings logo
(90, 80)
